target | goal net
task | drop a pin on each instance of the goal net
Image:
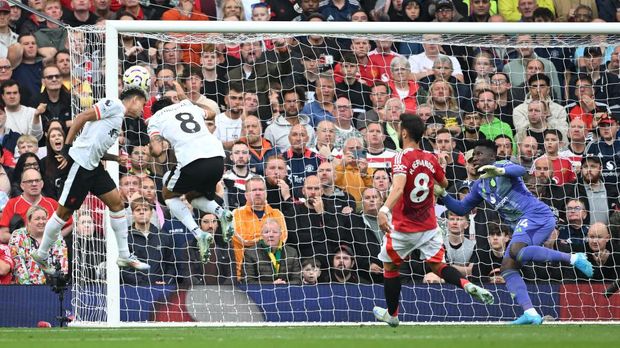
(346, 85)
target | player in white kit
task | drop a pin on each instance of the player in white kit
(200, 166)
(100, 127)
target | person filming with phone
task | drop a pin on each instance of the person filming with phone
(352, 173)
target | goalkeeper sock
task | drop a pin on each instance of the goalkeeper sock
(208, 206)
(118, 222)
(452, 276)
(51, 234)
(541, 254)
(516, 287)
(391, 287)
(179, 210)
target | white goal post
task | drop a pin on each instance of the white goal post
(453, 33)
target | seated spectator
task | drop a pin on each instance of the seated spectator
(141, 162)
(28, 67)
(312, 222)
(352, 174)
(378, 155)
(32, 185)
(381, 58)
(526, 153)
(353, 86)
(606, 148)
(486, 262)
(562, 167)
(9, 137)
(323, 107)
(277, 182)
(444, 102)
(56, 97)
(446, 147)
(379, 94)
(604, 259)
(300, 160)
(382, 181)
(259, 147)
(533, 66)
(54, 170)
(585, 105)
(459, 247)
(6, 265)
(236, 177)
(504, 147)
(27, 160)
(150, 245)
(442, 71)
(601, 197)
(577, 142)
(402, 84)
(470, 133)
(278, 131)
(342, 201)
(50, 37)
(391, 123)
(310, 271)
(20, 118)
(81, 15)
(491, 126)
(547, 189)
(500, 84)
(539, 87)
(422, 64)
(344, 122)
(184, 11)
(270, 261)
(25, 241)
(250, 218)
(537, 115)
(325, 140)
(221, 267)
(574, 232)
(228, 123)
(89, 249)
(343, 266)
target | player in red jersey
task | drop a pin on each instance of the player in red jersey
(411, 203)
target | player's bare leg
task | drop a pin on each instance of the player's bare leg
(199, 201)
(391, 288)
(50, 236)
(179, 210)
(118, 222)
(453, 276)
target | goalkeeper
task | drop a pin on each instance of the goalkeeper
(532, 221)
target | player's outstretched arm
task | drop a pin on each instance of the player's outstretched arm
(466, 205)
(79, 122)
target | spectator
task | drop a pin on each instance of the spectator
(586, 105)
(250, 218)
(527, 152)
(24, 242)
(379, 94)
(260, 148)
(25, 161)
(353, 86)
(344, 122)
(214, 85)
(9, 137)
(446, 149)
(228, 123)
(310, 271)
(32, 185)
(402, 85)
(270, 261)
(232, 8)
(521, 10)
(606, 148)
(342, 201)
(81, 14)
(500, 84)
(325, 140)
(369, 73)
(300, 160)
(56, 98)
(278, 131)
(480, 11)
(55, 171)
(444, 103)
(128, 186)
(556, 118)
(576, 10)
(381, 181)
(277, 183)
(184, 11)
(28, 69)
(422, 64)
(486, 262)
(442, 71)
(236, 177)
(601, 197)
(504, 147)
(51, 37)
(6, 264)
(338, 10)
(89, 250)
(381, 58)
(575, 231)
(9, 46)
(537, 115)
(470, 133)
(562, 167)
(261, 12)
(604, 258)
(344, 268)
(20, 118)
(391, 123)
(141, 161)
(491, 126)
(102, 9)
(352, 173)
(221, 267)
(533, 66)
(151, 246)
(6, 71)
(378, 155)
(459, 248)
(577, 143)
(322, 108)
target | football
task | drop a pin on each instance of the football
(138, 76)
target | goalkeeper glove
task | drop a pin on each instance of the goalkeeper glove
(439, 191)
(490, 171)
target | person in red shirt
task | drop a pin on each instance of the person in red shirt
(32, 185)
(562, 167)
(6, 265)
(414, 224)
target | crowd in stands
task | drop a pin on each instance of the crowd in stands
(310, 125)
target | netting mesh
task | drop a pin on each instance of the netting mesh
(237, 76)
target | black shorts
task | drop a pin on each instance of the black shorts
(202, 176)
(80, 181)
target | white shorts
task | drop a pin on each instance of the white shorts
(398, 245)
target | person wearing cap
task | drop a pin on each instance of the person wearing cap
(607, 148)
(445, 11)
(271, 261)
(600, 197)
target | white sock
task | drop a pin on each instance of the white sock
(208, 206)
(573, 258)
(51, 234)
(118, 221)
(531, 311)
(180, 211)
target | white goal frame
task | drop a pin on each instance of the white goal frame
(114, 28)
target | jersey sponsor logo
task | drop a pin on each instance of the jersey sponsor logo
(113, 133)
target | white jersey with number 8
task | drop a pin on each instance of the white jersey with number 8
(183, 126)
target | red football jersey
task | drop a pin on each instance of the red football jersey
(415, 211)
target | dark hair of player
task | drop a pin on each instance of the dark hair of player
(487, 143)
(160, 104)
(414, 126)
(133, 91)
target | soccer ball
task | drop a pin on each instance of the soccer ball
(137, 76)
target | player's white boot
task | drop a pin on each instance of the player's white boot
(382, 315)
(204, 239)
(133, 262)
(42, 262)
(226, 222)
(481, 294)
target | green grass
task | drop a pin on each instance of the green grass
(547, 336)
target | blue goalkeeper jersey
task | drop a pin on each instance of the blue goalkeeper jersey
(507, 194)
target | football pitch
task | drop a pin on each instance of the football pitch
(458, 336)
